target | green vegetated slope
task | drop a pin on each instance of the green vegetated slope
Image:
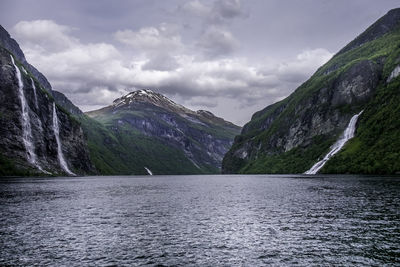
(127, 152)
(293, 134)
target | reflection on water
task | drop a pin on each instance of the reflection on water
(200, 220)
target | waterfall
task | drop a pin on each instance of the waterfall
(347, 135)
(56, 130)
(26, 124)
(148, 171)
(24, 70)
(34, 93)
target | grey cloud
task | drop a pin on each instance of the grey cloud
(217, 42)
(161, 62)
(220, 11)
(196, 8)
(229, 8)
(44, 33)
(202, 102)
(163, 37)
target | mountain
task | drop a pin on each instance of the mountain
(37, 136)
(290, 136)
(145, 129)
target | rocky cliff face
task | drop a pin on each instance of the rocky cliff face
(28, 142)
(201, 137)
(291, 135)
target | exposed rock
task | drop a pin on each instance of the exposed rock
(356, 84)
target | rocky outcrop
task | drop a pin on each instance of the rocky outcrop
(291, 135)
(27, 137)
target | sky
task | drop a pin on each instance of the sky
(231, 57)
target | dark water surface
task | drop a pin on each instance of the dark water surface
(200, 220)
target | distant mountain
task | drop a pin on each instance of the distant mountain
(145, 129)
(37, 136)
(292, 135)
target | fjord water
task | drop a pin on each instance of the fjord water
(228, 220)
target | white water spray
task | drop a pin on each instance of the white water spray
(26, 124)
(148, 171)
(34, 93)
(347, 135)
(56, 130)
(24, 70)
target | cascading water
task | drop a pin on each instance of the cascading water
(26, 124)
(347, 135)
(148, 171)
(34, 93)
(56, 130)
(24, 70)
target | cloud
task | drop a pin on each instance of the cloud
(218, 12)
(214, 17)
(92, 75)
(196, 8)
(306, 62)
(45, 34)
(161, 62)
(164, 37)
(228, 9)
(200, 101)
(217, 42)
(156, 44)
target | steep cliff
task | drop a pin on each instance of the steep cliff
(159, 134)
(291, 135)
(37, 137)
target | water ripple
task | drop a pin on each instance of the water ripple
(200, 220)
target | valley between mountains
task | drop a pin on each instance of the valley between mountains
(351, 104)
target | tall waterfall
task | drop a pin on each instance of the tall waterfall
(26, 124)
(347, 135)
(56, 130)
(34, 93)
